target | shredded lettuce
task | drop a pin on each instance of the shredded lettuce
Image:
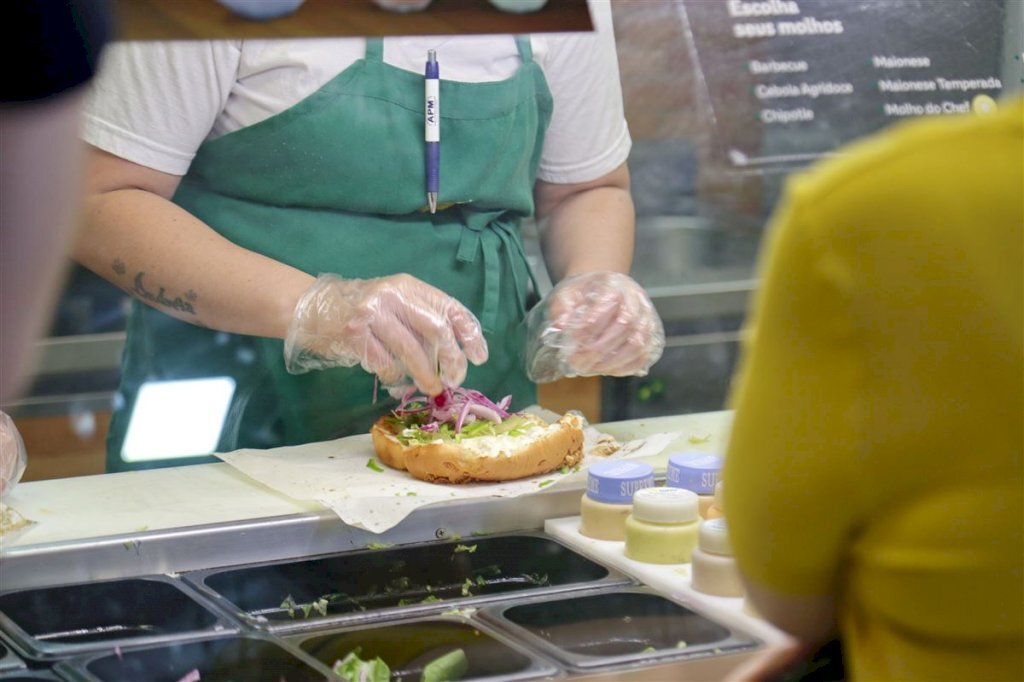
(318, 605)
(354, 669)
(513, 425)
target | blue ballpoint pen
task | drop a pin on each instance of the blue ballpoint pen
(432, 129)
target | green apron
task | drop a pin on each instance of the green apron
(336, 184)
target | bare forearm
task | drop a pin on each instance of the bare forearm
(164, 256)
(590, 229)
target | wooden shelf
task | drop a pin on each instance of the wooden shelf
(206, 19)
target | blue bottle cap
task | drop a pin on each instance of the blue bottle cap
(615, 481)
(696, 471)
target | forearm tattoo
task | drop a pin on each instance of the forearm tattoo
(182, 304)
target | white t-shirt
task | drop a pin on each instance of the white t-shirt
(154, 103)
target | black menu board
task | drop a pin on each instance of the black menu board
(788, 81)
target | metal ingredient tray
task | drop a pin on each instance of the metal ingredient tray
(615, 628)
(398, 582)
(8, 660)
(408, 646)
(29, 676)
(45, 624)
(249, 658)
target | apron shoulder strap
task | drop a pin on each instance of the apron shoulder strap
(374, 50)
(525, 49)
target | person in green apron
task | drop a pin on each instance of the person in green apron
(320, 209)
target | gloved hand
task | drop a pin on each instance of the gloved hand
(395, 327)
(596, 323)
(12, 454)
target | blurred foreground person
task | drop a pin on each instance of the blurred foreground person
(58, 45)
(874, 469)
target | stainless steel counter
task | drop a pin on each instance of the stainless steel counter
(101, 532)
(207, 515)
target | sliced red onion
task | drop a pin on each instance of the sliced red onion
(461, 405)
(462, 416)
(484, 413)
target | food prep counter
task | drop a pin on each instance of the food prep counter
(200, 568)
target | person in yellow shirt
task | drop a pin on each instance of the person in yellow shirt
(874, 472)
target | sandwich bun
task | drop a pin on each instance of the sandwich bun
(538, 449)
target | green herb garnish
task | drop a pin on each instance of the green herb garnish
(319, 605)
(372, 464)
(544, 483)
(465, 548)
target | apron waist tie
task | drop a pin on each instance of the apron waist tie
(491, 241)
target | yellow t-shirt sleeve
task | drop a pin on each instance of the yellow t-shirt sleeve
(791, 485)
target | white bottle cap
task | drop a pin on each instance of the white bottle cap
(666, 505)
(714, 537)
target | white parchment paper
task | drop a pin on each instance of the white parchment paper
(338, 474)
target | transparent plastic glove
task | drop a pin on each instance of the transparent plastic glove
(12, 454)
(396, 327)
(597, 323)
